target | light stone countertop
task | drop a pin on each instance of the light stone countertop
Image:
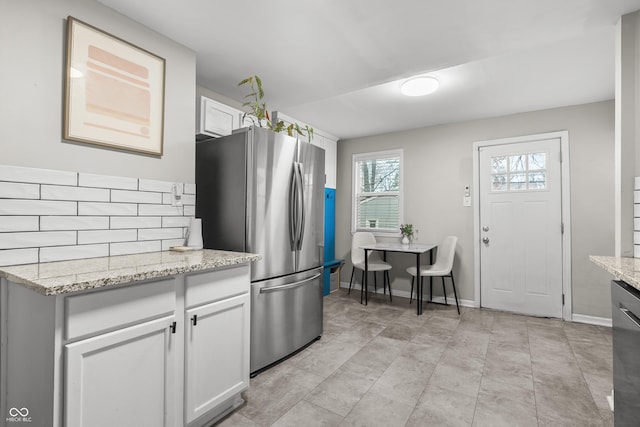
(626, 269)
(61, 277)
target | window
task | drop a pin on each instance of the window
(520, 172)
(377, 201)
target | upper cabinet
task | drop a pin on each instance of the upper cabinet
(216, 119)
(320, 139)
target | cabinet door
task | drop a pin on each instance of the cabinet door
(217, 354)
(121, 378)
(330, 159)
(217, 119)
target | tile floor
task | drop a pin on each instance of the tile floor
(381, 365)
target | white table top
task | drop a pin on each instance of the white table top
(414, 248)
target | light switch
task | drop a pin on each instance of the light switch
(466, 201)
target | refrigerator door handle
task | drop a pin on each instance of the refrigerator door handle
(301, 205)
(293, 195)
(289, 285)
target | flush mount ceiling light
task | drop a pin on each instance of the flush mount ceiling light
(419, 86)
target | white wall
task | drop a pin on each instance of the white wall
(438, 164)
(32, 53)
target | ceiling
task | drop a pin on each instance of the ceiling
(336, 64)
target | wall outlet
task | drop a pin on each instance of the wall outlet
(176, 195)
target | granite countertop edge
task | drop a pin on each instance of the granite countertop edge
(62, 277)
(622, 268)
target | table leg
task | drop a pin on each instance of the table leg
(366, 277)
(418, 286)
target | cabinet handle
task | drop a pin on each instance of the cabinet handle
(173, 327)
(194, 319)
(629, 314)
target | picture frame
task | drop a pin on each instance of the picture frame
(114, 93)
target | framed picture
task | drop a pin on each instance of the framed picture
(114, 91)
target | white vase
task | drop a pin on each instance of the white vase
(405, 240)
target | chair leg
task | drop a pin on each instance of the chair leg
(362, 287)
(444, 291)
(353, 271)
(411, 294)
(375, 283)
(386, 274)
(455, 294)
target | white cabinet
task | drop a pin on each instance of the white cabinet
(122, 378)
(166, 352)
(321, 139)
(216, 119)
(217, 354)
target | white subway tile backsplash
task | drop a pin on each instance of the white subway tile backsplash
(636, 183)
(190, 210)
(18, 256)
(110, 209)
(636, 196)
(160, 210)
(104, 181)
(37, 207)
(166, 244)
(160, 233)
(636, 210)
(636, 251)
(136, 222)
(74, 222)
(39, 176)
(135, 196)
(175, 221)
(134, 247)
(64, 253)
(159, 186)
(37, 239)
(18, 223)
(48, 215)
(59, 192)
(636, 224)
(106, 236)
(188, 199)
(17, 190)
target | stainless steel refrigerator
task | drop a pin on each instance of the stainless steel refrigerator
(263, 192)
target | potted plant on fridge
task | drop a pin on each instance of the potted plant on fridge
(258, 110)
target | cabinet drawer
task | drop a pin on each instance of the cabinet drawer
(215, 285)
(107, 309)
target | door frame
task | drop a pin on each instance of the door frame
(565, 211)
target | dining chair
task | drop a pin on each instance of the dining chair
(443, 267)
(374, 263)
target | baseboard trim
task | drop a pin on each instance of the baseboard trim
(405, 294)
(591, 320)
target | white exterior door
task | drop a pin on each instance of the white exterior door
(521, 260)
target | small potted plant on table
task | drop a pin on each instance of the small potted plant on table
(407, 233)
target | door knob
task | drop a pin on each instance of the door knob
(485, 228)
(485, 240)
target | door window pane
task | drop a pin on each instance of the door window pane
(498, 165)
(518, 163)
(519, 172)
(498, 182)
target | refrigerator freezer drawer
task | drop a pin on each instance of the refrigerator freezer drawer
(286, 315)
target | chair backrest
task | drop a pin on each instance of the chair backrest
(446, 254)
(360, 238)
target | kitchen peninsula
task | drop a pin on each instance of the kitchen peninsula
(148, 339)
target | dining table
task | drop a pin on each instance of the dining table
(418, 249)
